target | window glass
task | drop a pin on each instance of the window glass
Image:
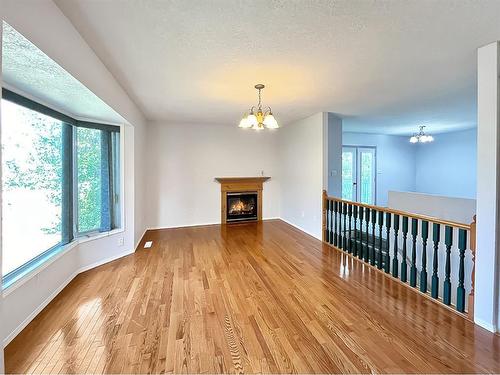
(88, 153)
(31, 184)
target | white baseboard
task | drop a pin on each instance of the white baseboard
(58, 290)
(300, 228)
(104, 261)
(37, 311)
(140, 239)
(183, 226)
(486, 325)
(198, 224)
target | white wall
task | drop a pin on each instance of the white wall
(487, 296)
(447, 166)
(2, 329)
(301, 172)
(139, 178)
(334, 155)
(461, 210)
(395, 161)
(184, 159)
(63, 44)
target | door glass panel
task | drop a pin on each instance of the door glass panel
(348, 175)
(366, 176)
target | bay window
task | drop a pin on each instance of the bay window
(60, 180)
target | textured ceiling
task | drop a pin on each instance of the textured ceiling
(384, 66)
(26, 68)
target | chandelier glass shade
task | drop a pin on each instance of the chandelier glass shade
(421, 137)
(258, 118)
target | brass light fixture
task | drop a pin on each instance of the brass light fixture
(258, 118)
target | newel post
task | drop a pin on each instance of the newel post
(323, 221)
(470, 311)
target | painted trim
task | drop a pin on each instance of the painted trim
(37, 311)
(58, 290)
(140, 239)
(486, 325)
(35, 271)
(104, 261)
(64, 250)
(195, 225)
(300, 228)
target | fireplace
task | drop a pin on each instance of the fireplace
(241, 198)
(241, 206)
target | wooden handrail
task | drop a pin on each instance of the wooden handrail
(403, 213)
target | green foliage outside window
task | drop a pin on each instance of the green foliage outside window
(43, 171)
(89, 179)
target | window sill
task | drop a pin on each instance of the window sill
(29, 273)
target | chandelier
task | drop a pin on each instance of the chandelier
(421, 137)
(258, 118)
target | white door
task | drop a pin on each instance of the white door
(358, 174)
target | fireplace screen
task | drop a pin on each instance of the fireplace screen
(241, 206)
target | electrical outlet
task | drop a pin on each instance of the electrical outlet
(120, 241)
(303, 213)
(148, 244)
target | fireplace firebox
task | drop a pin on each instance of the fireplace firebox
(241, 199)
(241, 206)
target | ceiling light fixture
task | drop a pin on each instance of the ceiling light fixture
(421, 137)
(257, 118)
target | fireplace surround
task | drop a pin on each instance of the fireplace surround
(241, 199)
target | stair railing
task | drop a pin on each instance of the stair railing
(433, 256)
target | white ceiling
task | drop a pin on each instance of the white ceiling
(26, 69)
(384, 66)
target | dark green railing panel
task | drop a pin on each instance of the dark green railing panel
(448, 241)
(334, 224)
(380, 242)
(349, 244)
(344, 232)
(366, 255)
(330, 214)
(387, 265)
(372, 249)
(404, 265)
(436, 232)
(395, 265)
(339, 225)
(423, 271)
(413, 267)
(462, 245)
(360, 239)
(355, 217)
(339, 231)
(327, 227)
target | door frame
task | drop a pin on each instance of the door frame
(375, 180)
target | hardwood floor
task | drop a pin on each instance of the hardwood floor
(246, 298)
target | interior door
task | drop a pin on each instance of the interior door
(349, 176)
(358, 174)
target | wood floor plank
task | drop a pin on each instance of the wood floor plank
(251, 298)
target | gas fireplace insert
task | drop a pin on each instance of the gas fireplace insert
(241, 206)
